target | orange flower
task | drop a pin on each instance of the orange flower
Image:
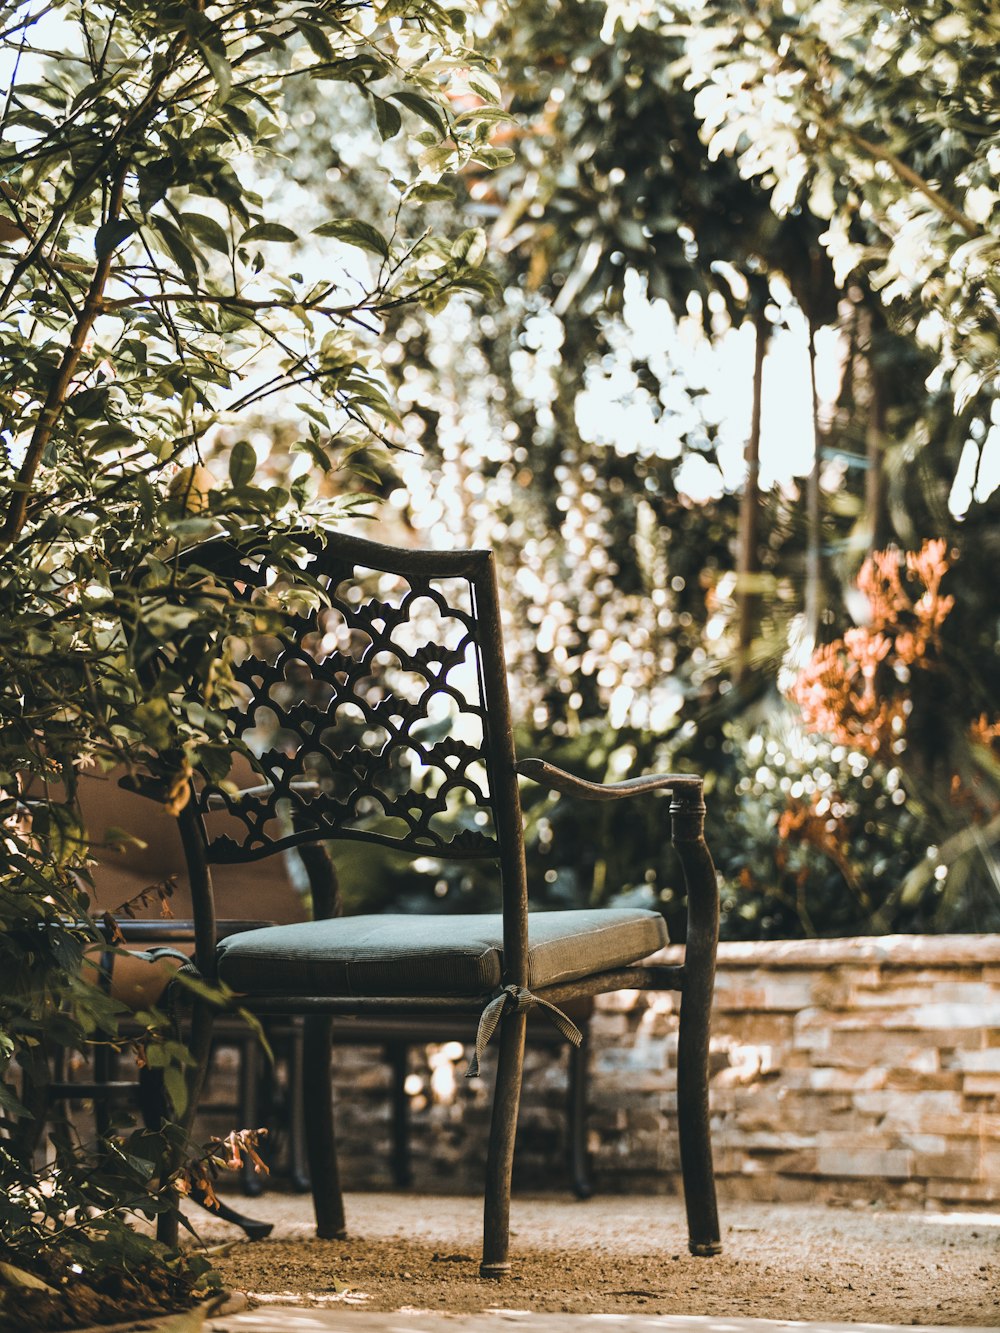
(986, 733)
(849, 690)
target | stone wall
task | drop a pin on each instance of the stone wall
(842, 1069)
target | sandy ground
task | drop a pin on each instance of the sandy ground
(621, 1254)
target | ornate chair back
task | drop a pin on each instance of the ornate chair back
(371, 701)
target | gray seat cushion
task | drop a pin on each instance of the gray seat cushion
(395, 954)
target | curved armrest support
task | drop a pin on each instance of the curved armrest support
(323, 881)
(219, 801)
(547, 775)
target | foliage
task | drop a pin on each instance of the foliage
(154, 291)
(74, 1258)
(615, 178)
(622, 591)
(882, 119)
(906, 690)
(808, 840)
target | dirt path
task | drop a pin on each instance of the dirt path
(616, 1255)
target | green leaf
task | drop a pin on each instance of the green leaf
(154, 180)
(10, 1103)
(219, 67)
(156, 1055)
(364, 473)
(485, 115)
(111, 438)
(470, 248)
(425, 192)
(242, 464)
(352, 231)
(269, 231)
(176, 1087)
(387, 118)
(207, 230)
(315, 413)
(111, 235)
(494, 157)
(315, 451)
(366, 393)
(146, 497)
(487, 88)
(442, 157)
(358, 502)
(422, 107)
(317, 39)
(483, 283)
(178, 249)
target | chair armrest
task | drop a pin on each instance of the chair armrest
(174, 930)
(547, 775)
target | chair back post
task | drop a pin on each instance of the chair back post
(503, 778)
(195, 842)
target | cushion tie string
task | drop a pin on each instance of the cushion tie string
(513, 999)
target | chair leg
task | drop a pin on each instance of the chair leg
(29, 1132)
(249, 1111)
(687, 814)
(155, 1109)
(200, 1046)
(321, 1146)
(500, 1161)
(576, 1116)
(693, 1131)
(298, 1170)
(401, 1165)
(104, 1072)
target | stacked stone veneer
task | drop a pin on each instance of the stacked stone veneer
(841, 1069)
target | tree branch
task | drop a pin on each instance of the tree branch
(136, 121)
(229, 303)
(55, 400)
(911, 177)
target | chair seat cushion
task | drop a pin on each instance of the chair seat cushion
(398, 954)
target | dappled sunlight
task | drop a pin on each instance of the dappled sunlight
(961, 1219)
(689, 315)
(620, 1257)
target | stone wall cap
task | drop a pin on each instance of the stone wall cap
(885, 950)
(859, 951)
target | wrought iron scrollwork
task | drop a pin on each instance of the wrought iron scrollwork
(365, 718)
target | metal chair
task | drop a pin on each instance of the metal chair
(131, 876)
(370, 696)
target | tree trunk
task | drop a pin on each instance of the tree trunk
(875, 455)
(748, 561)
(813, 601)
